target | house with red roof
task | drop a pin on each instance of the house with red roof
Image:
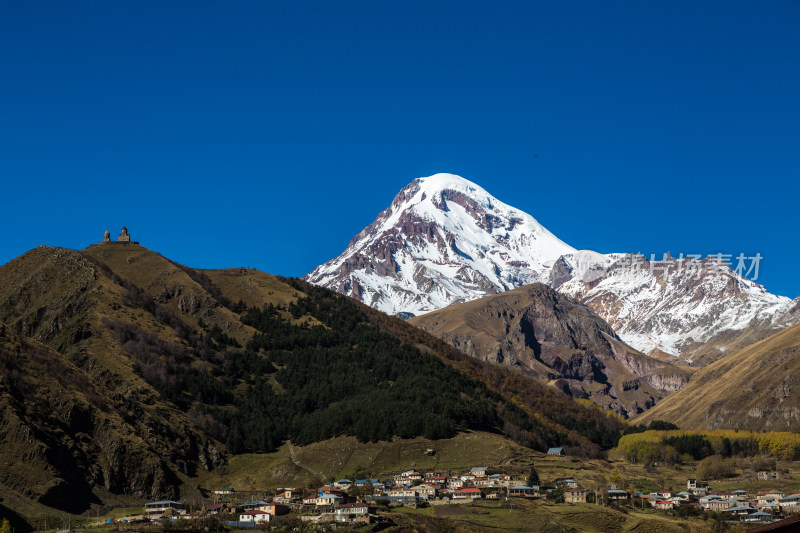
(467, 494)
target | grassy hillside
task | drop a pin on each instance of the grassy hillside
(755, 388)
(140, 376)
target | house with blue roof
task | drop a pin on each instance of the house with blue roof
(618, 494)
(760, 517)
(343, 484)
(257, 505)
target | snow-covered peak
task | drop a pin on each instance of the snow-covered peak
(441, 182)
(445, 239)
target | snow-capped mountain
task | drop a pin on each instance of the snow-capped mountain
(445, 240)
(442, 240)
(678, 306)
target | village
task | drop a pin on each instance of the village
(368, 500)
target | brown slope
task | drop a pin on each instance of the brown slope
(73, 307)
(755, 388)
(63, 436)
(82, 305)
(188, 293)
(134, 442)
(555, 339)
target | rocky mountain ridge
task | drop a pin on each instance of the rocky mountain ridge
(559, 341)
(445, 240)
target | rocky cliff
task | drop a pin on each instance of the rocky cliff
(558, 340)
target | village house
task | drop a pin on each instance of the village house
(739, 510)
(425, 491)
(500, 480)
(163, 508)
(478, 471)
(437, 481)
(706, 500)
(343, 484)
(276, 509)
(760, 518)
(436, 474)
(721, 505)
(696, 487)
(328, 499)
(258, 505)
(678, 501)
(403, 493)
(409, 477)
(467, 494)
(255, 516)
(618, 495)
(664, 505)
(455, 483)
(790, 504)
(555, 451)
(288, 496)
(229, 491)
(575, 496)
(352, 512)
(522, 491)
(768, 475)
(769, 498)
(570, 484)
(771, 508)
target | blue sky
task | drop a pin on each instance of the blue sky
(267, 134)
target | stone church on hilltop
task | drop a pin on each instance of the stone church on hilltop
(124, 237)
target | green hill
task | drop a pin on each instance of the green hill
(129, 375)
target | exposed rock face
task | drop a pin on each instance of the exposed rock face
(558, 340)
(445, 240)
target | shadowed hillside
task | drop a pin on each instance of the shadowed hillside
(127, 374)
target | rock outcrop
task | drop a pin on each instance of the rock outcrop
(558, 340)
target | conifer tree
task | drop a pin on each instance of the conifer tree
(533, 477)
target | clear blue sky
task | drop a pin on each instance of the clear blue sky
(267, 134)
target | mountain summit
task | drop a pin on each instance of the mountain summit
(442, 240)
(445, 240)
